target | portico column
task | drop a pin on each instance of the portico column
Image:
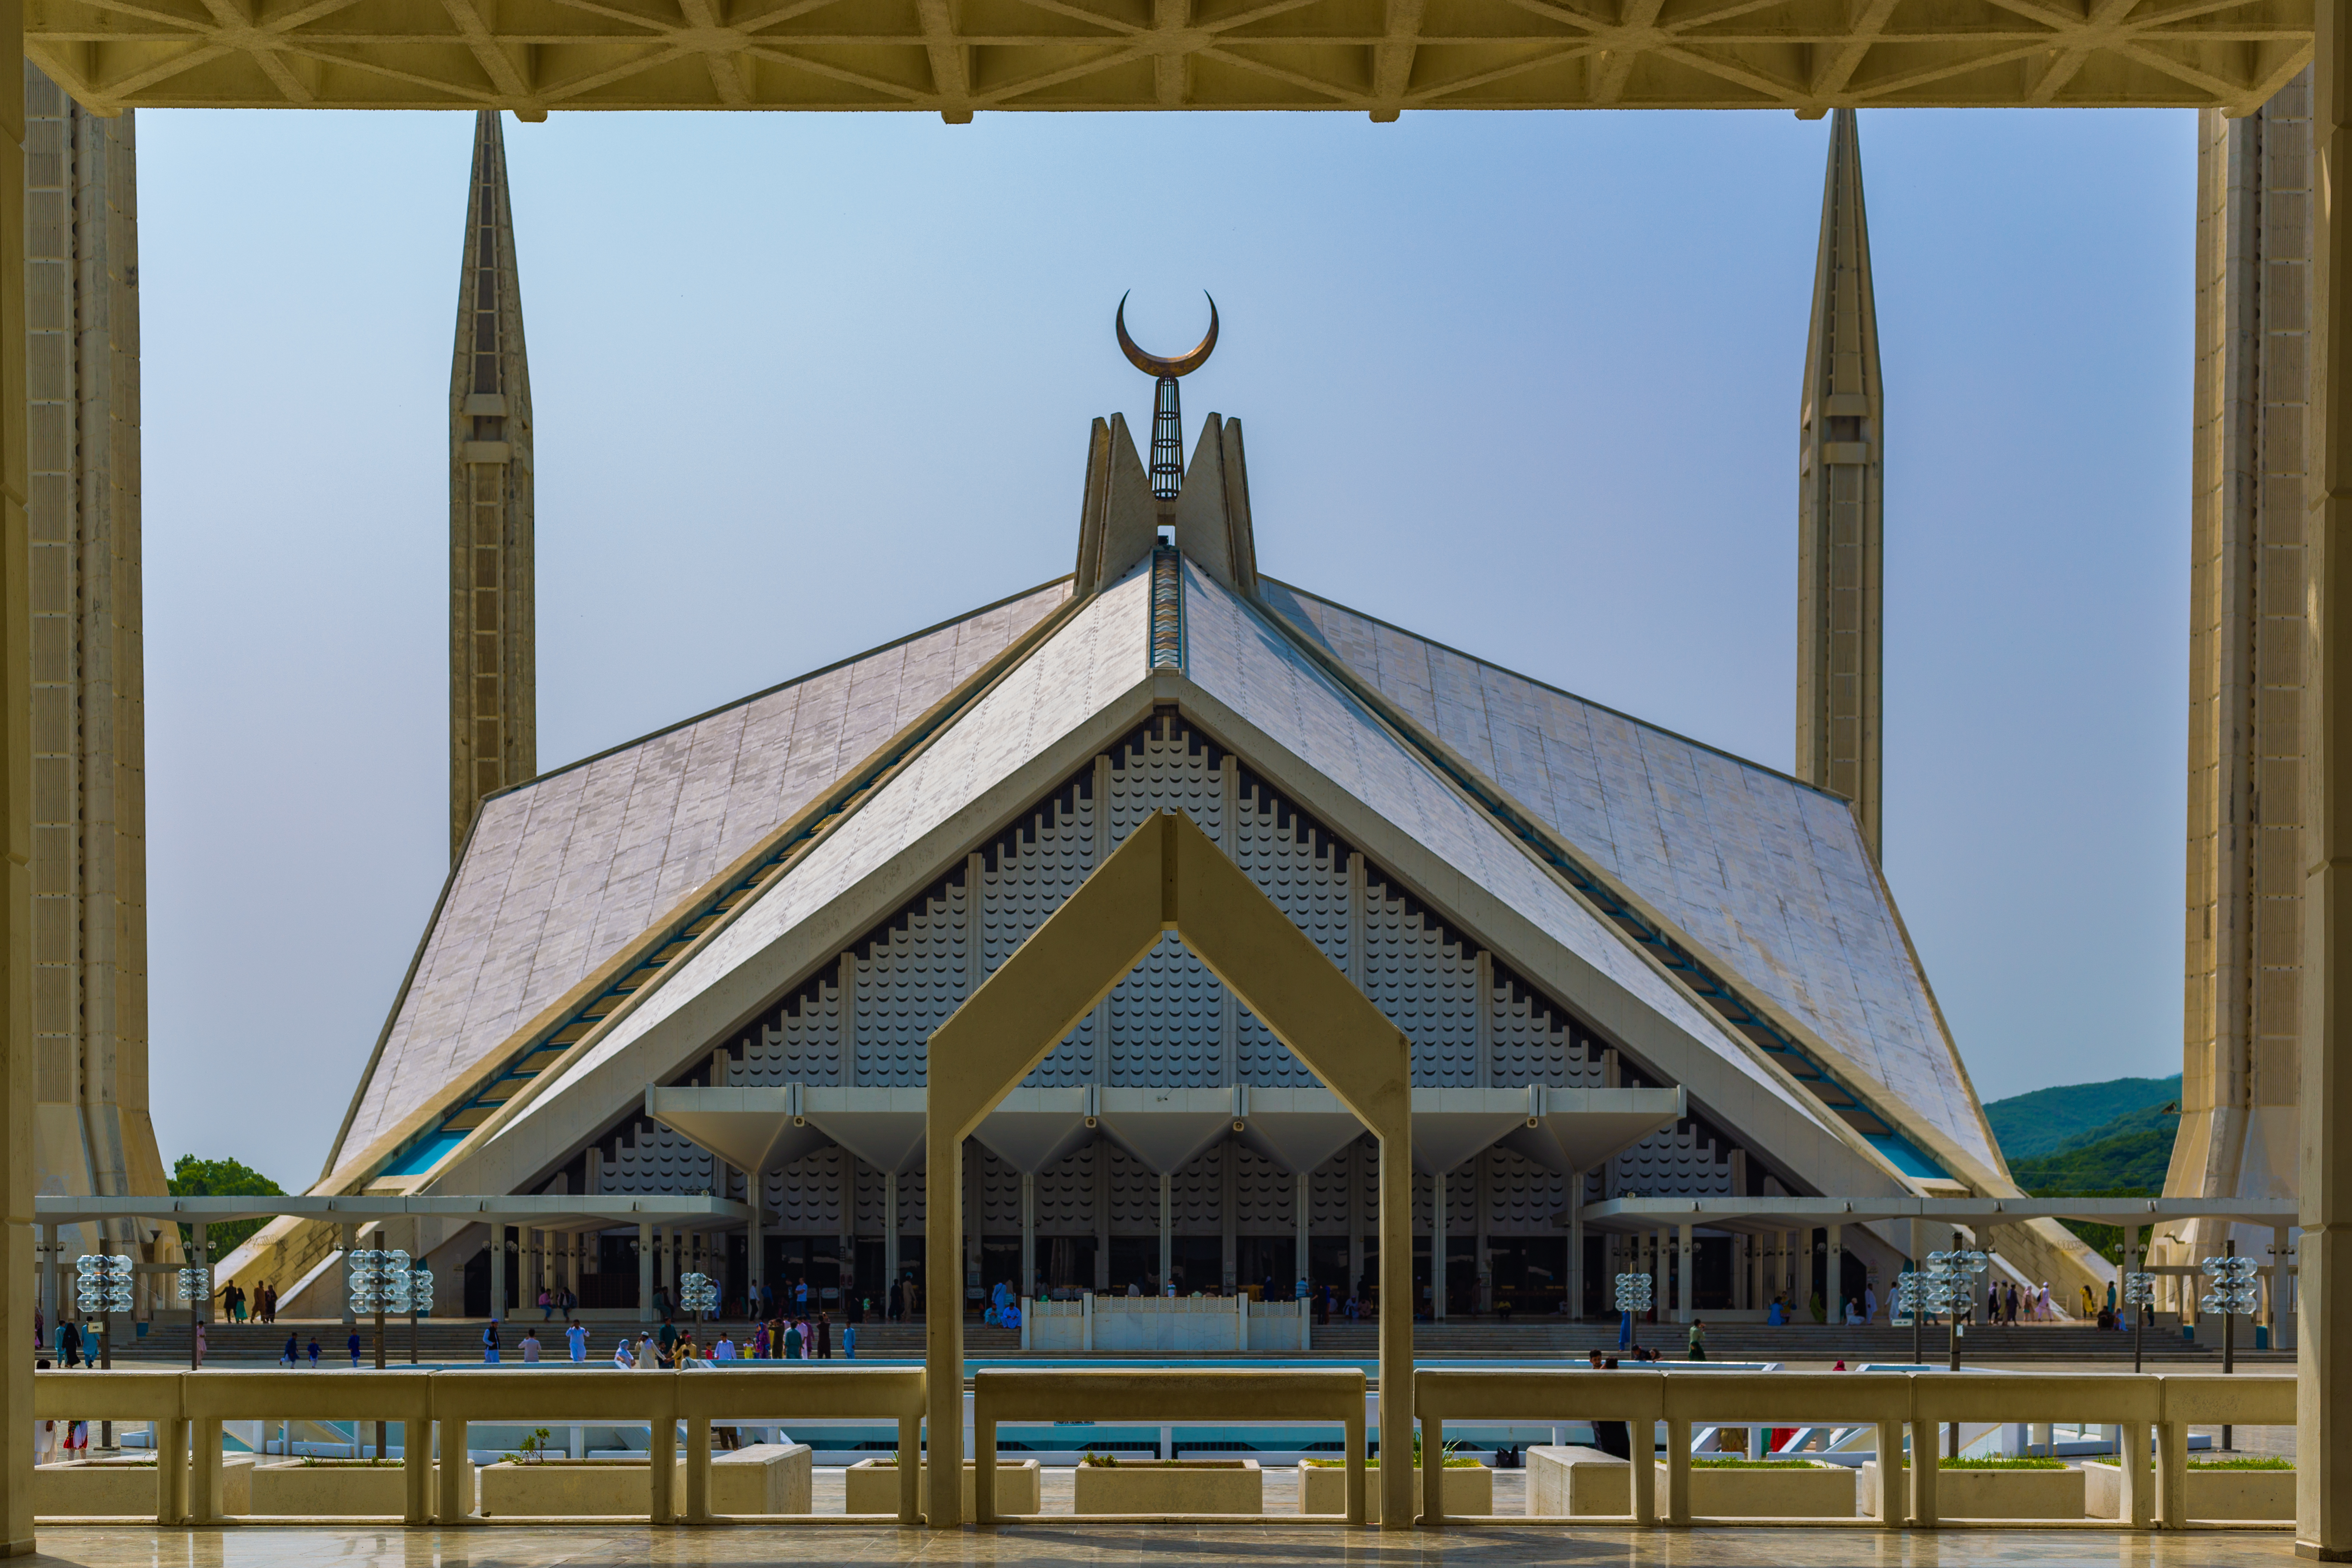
(1437, 1247)
(1167, 1236)
(1833, 1278)
(889, 1238)
(645, 1271)
(1306, 1196)
(1686, 1298)
(498, 1270)
(1028, 1236)
(2323, 1476)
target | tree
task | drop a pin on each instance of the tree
(194, 1178)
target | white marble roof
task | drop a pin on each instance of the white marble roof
(1099, 655)
(559, 873)
(1770, 874)
(1263, 678)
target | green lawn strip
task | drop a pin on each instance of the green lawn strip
(2023, 1463)
(1698, 1462)
(2241, 1464)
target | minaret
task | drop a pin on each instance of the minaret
(2258, 186)
(1840, 505)
(93, 1134)
(493, 679)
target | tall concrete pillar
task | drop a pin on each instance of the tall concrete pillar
(1029, 1236)
(1572, 1277)
(2324, 1368)
(1685, 1293)
(498, 1271)
(889, 1238)
(1833, 1277)
(1167, 1236)
(18, 1087)
(1437, 1247)
(1304, 1200)
(645, 1272)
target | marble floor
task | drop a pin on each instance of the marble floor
(1275, 1544)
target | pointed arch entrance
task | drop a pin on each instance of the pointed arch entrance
(1168, 876)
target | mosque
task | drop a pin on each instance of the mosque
(709, 961)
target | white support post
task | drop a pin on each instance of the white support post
(1686, 1298)
(889, 1238)
(1167, 1237)
(1833, 1280)
(1028, 1243)
(646, 1271)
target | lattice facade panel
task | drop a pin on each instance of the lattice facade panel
(1196, 1194)
(1522, 1195)
(659, 1161)
(1167, 1018)
(1027, 874)
(801, 1045)
(1533, 1042)
(1265, 1196)
(1305, 872)
(911, 977)
(805, 1195)
(1066, 1192)
(1421, 974)
(1674, 1163)
(1000, 1190)
(1134, 1194)
(1327, 1197)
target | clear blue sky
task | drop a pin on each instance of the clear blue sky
(1526, 383)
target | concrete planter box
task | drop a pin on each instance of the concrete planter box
(1991, 1494)
(1469, 1489)
(335, 1488)
(767, 1478)
(873, 1487)
(1180, 1485)
(1817, 1491)
(2212, 1493)
(126, 1487)
(1565, 1479)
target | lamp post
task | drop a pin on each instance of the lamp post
(2139, 1294)
(380, 1282)
(103, 1287)
(698, 1293)
(195, 1288)
(420, 1303)
(2231, 1292)
(1635, 1294)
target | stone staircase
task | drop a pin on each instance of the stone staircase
(1559, 1339)
(459, 1339)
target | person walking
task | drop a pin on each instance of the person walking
(849, 1342)
(530, 1347)
(353, 1346)
(792, 1342)
(624, 1357)
(649, 1356)
(292, 1354)
(576, 1338)
(823, 1337)
(1699, 1339)
(311, 1350)
(490, 1343)
(68, 1345)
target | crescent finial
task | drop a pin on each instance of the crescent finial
(1182, 364)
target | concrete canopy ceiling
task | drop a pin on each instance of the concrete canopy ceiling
(954, 57)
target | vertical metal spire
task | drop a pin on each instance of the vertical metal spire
(1839, 508)
(1167, 442)
(493, 676)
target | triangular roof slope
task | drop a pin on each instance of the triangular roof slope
(1070, 694)
(1769, 873)
(561, 872)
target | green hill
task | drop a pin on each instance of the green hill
(2031, 1126)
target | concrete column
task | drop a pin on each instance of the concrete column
(2275, 1302)
(1228, 1200)
(755, 1245)
(1355, 1206)
(889, 1239)
(1102, 1150)
(498, 1270)
(1305, 1204)
(1685, 1297)
(17, 1090)
(2324, 1369)
(645, 1272)
(1437, 1247)
(1572, 1277)
(1167, 1234)
(1029, 1237)
(47, 1304)
(1833, 1288)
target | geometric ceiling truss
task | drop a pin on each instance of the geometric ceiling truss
(954, 57)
